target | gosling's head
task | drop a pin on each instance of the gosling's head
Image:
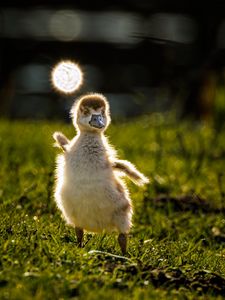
(91, 113)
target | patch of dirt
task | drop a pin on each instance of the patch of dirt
(201, 281)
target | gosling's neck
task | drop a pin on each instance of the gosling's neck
(92, 143)
(94, 134)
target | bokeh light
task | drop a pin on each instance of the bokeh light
(67, 77)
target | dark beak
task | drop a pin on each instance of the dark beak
(97, 121)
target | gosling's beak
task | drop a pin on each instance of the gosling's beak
(97, 121)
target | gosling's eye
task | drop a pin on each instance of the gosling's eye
(85, 111)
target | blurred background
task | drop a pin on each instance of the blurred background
(145, 55)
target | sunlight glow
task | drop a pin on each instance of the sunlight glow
(67, 77)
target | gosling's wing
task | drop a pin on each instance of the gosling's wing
(130, 170)
(61, 140)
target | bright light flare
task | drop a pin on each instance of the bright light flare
(67, 77)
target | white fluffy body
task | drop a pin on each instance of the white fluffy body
(89, 189)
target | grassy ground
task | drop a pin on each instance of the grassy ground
(176, 247)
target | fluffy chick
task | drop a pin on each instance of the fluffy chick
(89, 189)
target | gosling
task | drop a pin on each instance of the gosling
(89, 189)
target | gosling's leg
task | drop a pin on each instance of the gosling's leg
(79, 234)
(122, 239)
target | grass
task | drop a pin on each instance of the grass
(176, 247)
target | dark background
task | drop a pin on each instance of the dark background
(145, 56)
